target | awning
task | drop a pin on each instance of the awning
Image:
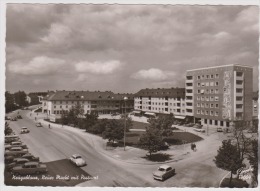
(136, 111)
(148, 113)
(179, 116)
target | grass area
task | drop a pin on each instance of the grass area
(158, 157)
(139, 125)
(235, 183)
(180, 137)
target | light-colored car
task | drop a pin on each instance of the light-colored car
(30, 157)
(219, 129)
(199, 130)
(15, 144)
(30, 168)
(163, 172)
(24, 130)
(38, 124)
(16, 162)
(77, 160)
(16, 151)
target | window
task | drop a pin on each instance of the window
(61, 106)
(221, 123)
(216, 83)
(207, 112)
(54, 112)
(202, 98)
(211, 105)
(198, 111)
(211, 76)
(212, 91)
(198, 77)
(207, 105)
(202, 77)
(216, 98)
(207, 83)
(216, 105)
(198, 91)
(202, 104)
(202, 84)
(211, 98)
(54, 106)
(216, 113)
(216, 75)
(216, 122)
(207, 98)
(207, 91)
(207, 76)
(211, 113)
(227, 124)
(216, 91)
(205, 121)
(198, 104)
(198, 84)
(202, 112)
(198, 97)
(210, 122)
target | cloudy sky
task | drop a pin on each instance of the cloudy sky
(123, 48)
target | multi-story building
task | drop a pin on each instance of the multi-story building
(220, 95)
(165, 101)
(56, 103)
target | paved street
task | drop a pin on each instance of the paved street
(194, 170)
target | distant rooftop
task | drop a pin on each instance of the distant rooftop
(220, 67)
(162, 92)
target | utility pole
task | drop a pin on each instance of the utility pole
(125, 99)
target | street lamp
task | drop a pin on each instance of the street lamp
(125, 99)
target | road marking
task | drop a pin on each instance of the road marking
(223, 179)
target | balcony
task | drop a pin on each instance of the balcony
(239, 110)
(241, 86)
(239, 102)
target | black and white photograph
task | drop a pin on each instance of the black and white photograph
(130, 95)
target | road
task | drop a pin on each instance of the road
(54, 144)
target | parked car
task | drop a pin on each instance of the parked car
(19, 117)
(13, 119)
(16, 162)
(16, 151)
(24, 130)
(30, 157)
(9, 159)
(16, 144)
(219, 129)
(30, 168)
(189, 125)
(199, 126)
(7, 118)
(199, 130)
(38, 124)
(11, 138)
(77, 160)
(163, 172)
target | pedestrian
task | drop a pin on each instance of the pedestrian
(49, 126)
(35, 118)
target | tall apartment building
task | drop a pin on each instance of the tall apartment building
(219, 95)
(165, 101)
(56, 103)
(255, 105)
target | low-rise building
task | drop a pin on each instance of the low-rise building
(59, 102)
(161, 101)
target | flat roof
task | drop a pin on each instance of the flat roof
(219, 67)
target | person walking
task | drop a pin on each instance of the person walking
(49, 126)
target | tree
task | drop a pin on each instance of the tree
(90, 120)
(163, 123)
(99, 127)
(228, 158)
(129, 122)
(8, 130)
(113, 130)
(253, 159)
(151, 140)
(20, 98)
(9, 102)
(75, 114)
(242, 140)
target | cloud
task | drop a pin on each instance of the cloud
(153, 74)
(107, 67)
(37, 66)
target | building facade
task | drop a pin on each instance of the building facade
(59, 102)
(255, 105)
(220, 95)
(164, 101)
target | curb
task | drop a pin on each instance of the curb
(223, 179)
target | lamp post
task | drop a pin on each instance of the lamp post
(125, 99)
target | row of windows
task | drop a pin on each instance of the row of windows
(216, 122)
(207, 91)
(203, 84)
(206, 112)
(206, 105)
(207, 98)
(211, 76)
(162, 99)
